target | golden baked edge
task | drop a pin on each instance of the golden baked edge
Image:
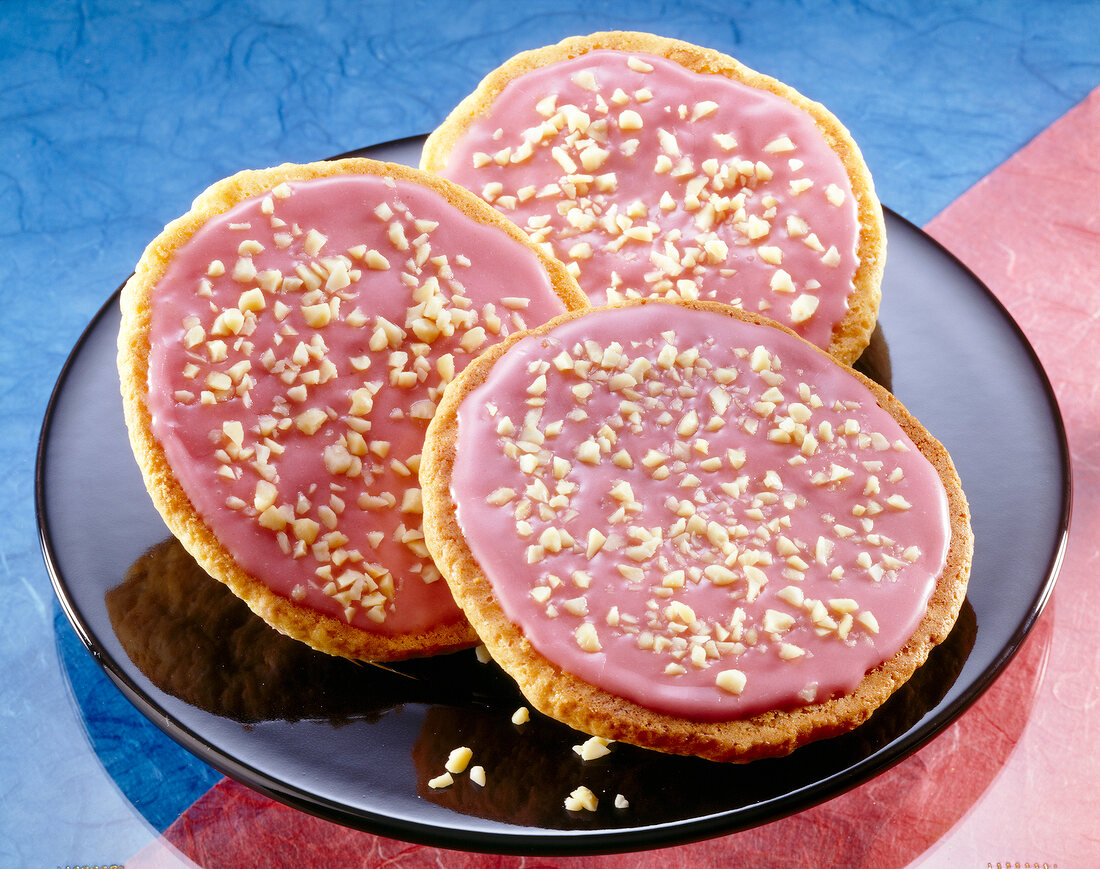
(567, 698)
(851, 336)
(322, 632)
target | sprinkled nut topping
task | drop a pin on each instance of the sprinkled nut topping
(729, 519)
(645, 190)
(304, 349)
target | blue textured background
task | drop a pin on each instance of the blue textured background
(114, 115)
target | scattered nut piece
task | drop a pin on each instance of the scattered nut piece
(581, 799)
(592, 748)
(458, 759)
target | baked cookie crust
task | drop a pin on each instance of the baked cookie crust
(852, 334)
(592, 710)
(323, 632)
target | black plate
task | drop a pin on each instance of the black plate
(357, 744)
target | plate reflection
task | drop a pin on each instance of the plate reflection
(193, 639)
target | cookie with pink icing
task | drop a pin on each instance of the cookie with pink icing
(656, 168)
(283, 347)
(682, 526)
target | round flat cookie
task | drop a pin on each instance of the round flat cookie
(656, 168)
(682, 526)
(282, 349)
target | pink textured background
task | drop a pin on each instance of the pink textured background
(1017, 778)
(1031, 232)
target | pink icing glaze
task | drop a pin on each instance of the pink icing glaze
(717, 526)
(678, 248)
(452, 262)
